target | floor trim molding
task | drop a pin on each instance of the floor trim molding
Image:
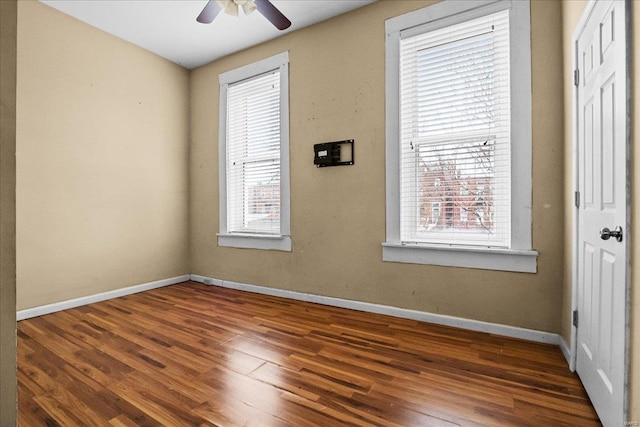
(566, 351)
(440, 319)
(89, 299)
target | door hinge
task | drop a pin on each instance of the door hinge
(576, 77)
(575, 318)
(576, 198)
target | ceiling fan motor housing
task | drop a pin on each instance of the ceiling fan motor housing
(265, 7)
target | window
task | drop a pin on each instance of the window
(459, 136)
(254, 156)
(435, 212)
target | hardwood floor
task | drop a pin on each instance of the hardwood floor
(191, 354)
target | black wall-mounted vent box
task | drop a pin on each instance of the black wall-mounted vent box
(338, 153)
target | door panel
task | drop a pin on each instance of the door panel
(608, 167)
(607, 284)
(588, 300)
(589, 158)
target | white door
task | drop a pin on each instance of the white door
(602, 168)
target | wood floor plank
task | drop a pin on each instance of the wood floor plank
(197, 355)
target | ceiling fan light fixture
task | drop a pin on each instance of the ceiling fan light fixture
(230, 7)
(248, 6)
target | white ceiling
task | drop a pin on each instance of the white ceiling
(168, 27)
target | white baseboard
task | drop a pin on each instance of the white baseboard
(566, 351)
(439, 319)
(77, 302)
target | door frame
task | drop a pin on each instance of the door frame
(580, 26)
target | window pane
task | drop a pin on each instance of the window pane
(262, 204)
(458, 178)
(454, 85)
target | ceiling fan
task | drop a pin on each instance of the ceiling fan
(268, 10)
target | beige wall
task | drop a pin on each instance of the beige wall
(8, 36)
(102, 158)
(572, 10)
(337, 92)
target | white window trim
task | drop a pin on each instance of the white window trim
(519, 257)
(282, 241)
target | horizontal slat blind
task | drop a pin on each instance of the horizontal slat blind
(253, 155)
(455, 134)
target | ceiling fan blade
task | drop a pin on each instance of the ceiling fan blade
(209, 12)
(272, 14)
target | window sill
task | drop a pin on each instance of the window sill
(523, 261)
(255, 241)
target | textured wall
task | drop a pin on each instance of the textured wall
(338, 214)
(102, 152)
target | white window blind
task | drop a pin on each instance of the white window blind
(253, 155)
(455, 136)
